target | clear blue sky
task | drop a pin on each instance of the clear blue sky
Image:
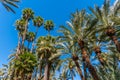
(57, 10)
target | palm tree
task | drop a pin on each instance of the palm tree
(48, 52)
(38, 22)
(49, 25)
(19, 24)
(27, 15)
(24, 66)
(67, 41)
(108, 17)
(30, 36)
(8, 3)
(77, 25)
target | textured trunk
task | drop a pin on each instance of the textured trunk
(40, 70)
(24, 34)
(75, 58)
(89, 65)
(98, 53)
(111, 33)
(18, 47)
(85, 71)
(116, 42)
(33, 44)
(46, 73)
(86, 58)
(79, 70)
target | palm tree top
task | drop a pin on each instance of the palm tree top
(49, 25)
(30, 36)
(20, 24)
(27, 14)
(38, 21)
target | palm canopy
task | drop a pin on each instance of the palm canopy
(38, 21)
(30, 36)
(108, 17)
(49, 25)
(25, 64)
(8, 3)
(27, 14)
(80, 28)
(20, 25)
(46, 46)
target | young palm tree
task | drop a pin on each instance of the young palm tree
(8, 3)
(49, 25)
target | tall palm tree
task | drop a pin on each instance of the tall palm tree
(9, 3)
(68, 43)
(44, 50)
(108, 17)
(27, 15)
(77, 25)
(19, 24)
(49, 25)
(38, 22)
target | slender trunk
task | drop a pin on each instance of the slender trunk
(75, 58)
(40, 74)
(89, 65)
(116, 42)
(47, 71)
(98, 53)
(85, 71)
(24, 34)
(33, 44)
(18, 47)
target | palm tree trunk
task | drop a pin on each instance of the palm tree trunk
(24, 34)
(116, 42)
(18, 47)
(47, 71)
(98, 53)
(75, 58)
(85, 71)
(89, 65)
(33, 44)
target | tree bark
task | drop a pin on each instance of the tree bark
(116, 42)
(85, 71)
(98, 53)
(89, 65)
(33, 43)
(24, 34)
(47, 71)
(75, 58)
